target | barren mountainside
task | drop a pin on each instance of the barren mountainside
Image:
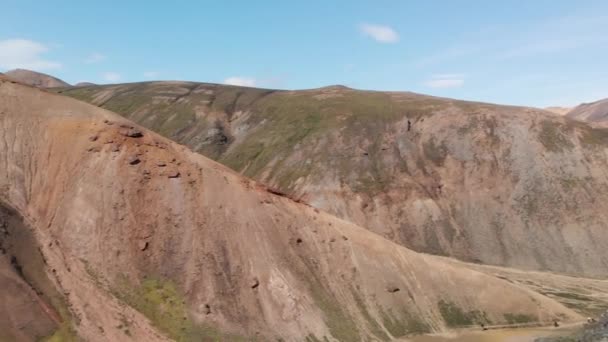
(595, 112)
(112, 232)
(492, 184)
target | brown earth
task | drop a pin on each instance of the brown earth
(145, 239)
(558, 110)
(500, 185)
(35, 79)
(595, 113)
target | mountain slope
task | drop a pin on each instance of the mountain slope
(493, 184)
(595, 112)
(35, 79)
(558, 110)
(122, 216)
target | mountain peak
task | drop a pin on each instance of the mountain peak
(36, 79)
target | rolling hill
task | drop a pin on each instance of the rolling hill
(595, 112)
(498, 185)
(35, 79)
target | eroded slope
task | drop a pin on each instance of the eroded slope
(595, 112)
(123, 216)
(484, 183)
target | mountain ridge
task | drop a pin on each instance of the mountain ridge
(437, 175)
(35, 79)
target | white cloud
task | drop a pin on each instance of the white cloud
(111, 76)
(380, 33)
(445, 81)
(240, 81)
(151, 74)
(26, 54)
(94, 58)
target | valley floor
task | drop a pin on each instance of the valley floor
(587, 296)
(502, 335)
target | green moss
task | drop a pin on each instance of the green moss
(455, 316)
(161, 302)
(519, 318)
(553, 138)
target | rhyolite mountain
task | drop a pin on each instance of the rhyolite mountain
(500, 185)
(110, 232)
(35, 79)
(594, 112)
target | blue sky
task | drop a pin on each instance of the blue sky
(536, 53)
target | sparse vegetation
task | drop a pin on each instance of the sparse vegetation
(340, 324)
(512, 318)
(375, 328)
(407, 325)
(553, 138)
(594, 137)
(454, 316)
(161, 302)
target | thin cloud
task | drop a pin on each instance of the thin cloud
(26, 54)
(379, 33)
(240, 81)
(95, 58)
(111, 76)
(151, 74)
(442, 81)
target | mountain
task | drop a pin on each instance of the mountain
(595, 112)
(558, 110)
(84, 84)
(498, 185)
(112, 232)
(36, 79)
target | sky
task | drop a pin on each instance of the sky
(534, 53)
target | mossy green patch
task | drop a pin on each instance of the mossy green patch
(512, 318)
(161, 302)
(408, 324)
(454, 316)
(64, 333)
